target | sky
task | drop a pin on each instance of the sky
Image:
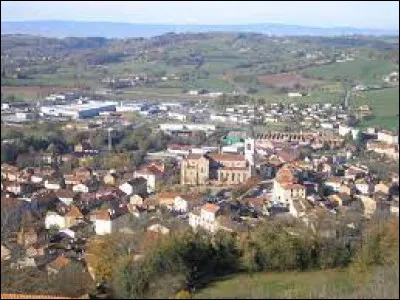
(361, 14)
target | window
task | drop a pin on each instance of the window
(249, 147)
(233, 176)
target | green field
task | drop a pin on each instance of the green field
(362, 70)
(273, 285)
(384, 104)
(328, 284)
(313, 97)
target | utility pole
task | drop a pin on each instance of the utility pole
(109, 139)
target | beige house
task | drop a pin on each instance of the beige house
(73, 216)
(110, 178)
(369, 205)
(383, 187)
(136, 200)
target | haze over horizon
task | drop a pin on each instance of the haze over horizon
(363, 14)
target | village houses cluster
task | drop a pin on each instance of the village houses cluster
(230, 185)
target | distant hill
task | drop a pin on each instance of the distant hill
(123, 30)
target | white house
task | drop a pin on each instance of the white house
(82, 188)
(344, 130)
(15, 188)
(394, 208)
(181, 204)
(177, 116)
(134, 186)
(151, 175)
(206, 219)
(108, 221)
(387, 137)
(65, 196)
(327, 125)
(285, 186)
(158, 228)
(219, 117)
(292, 95)
(363, 187)
(333, 183)
(52, 185)
(54, 219)
(36, 178)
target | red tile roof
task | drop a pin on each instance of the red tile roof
(213, 208)
(74, 212)
(254, 201)
(227, 157)
(167, 195)
(285, 175)
(60, 262)
(102, 215)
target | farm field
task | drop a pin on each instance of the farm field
(362, 71)
(384, 104)
(331, 96)
(32, 92)
(287, 80)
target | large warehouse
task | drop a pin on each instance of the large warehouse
(79, 111)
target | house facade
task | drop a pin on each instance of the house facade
(286, 187)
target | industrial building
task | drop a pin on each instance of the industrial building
(79, 111)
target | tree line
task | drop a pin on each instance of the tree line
(186, 260)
